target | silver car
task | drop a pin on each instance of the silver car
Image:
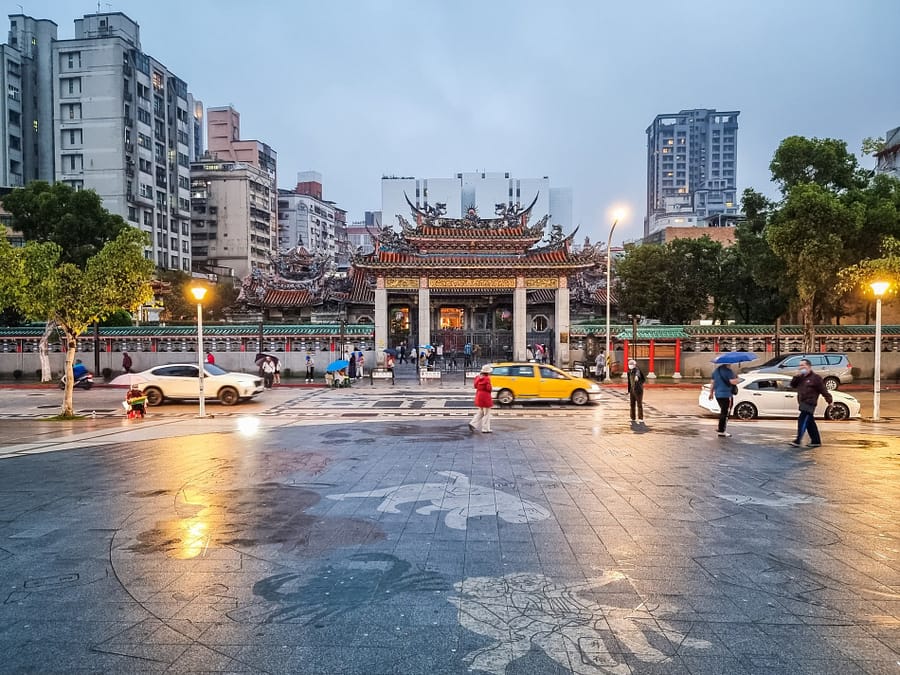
(834, 368)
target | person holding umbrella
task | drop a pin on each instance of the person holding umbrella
(723, 385)
(268, 369)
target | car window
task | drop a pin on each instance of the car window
(500, 370)
(213, 369)
(767, 385)
(792, 362)
(771, 362)
(816, 360)
(834, 359)
(170, 371)
(550, 374)
(522, 371)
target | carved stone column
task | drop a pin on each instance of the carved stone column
(381, 321)
(424, 312)
(561, 321)
(520, 318)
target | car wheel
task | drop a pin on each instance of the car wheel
(228, 396)
(505, 397)
(745, 411)
(832, 383)
(838, 411)
(154, 396)
(580, 397)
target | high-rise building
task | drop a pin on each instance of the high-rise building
(125, 127)
(26, 112)
(231, 216)
(481, 190)
(306, 219)
(691, 167)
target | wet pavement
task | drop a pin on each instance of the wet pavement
(306, 536)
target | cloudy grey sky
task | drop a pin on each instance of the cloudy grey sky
(361, 88)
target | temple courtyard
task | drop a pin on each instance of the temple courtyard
(369, 531)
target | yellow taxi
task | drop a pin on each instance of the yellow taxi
(517, 381)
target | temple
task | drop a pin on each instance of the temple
(499, 283)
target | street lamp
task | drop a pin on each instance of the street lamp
(199, 292)
(879, 288)
(618, 214)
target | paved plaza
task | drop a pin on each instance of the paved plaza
(369, 531)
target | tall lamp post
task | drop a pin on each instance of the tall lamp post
(617, 215)
(199, 292)
(879, 288)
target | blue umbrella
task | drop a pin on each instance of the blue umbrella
(335, 366)
(391, 351)
(734, 357)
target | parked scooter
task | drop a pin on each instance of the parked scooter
(83, 378)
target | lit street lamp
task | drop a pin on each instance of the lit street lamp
(199, 292)
(879, 288)
(618, 214)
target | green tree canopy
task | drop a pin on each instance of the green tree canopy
(823, 161)
(73, 219)
(117, 277)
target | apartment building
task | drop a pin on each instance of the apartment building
(691, 167)
(231, 215)
(126, 127)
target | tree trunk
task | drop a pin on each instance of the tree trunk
(809, 325)
(68, 410)
(44, 352)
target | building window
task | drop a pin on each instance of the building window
(143, 116)
(148, 218)
(75, 184)
(186, 264)
(14, 142)
(132, 214)
(72, 163)
(71, 111)
(540, 323)
(145, 165)
(70, 60)
(70, 86)
(158, 80)
(185, 247)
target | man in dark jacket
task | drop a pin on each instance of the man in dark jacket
(809, 386)
(636, 381)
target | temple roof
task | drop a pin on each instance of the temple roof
(557, 258)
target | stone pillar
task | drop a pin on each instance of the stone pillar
(651, 367)
(561, 321)
(520, 319)
(381, 321)
(424, 312)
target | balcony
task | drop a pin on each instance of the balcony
(129, 146)
(128, 96)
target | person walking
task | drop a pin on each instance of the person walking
(126, 362)
(484, 400)
(351, 369)
(268, 369)
(310, 368)
(467, 355)
(636, 381)
(722, 388)
(600, 367)
(277, 371)
(360, 364)
(809, 386)
(210, 359)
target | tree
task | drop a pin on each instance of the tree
(640, 280)
(857, 278)
(673, 282)
(872, 146)
(808, 233)
(73, 219)
(12, 280)
(823, 161)
(117, 276)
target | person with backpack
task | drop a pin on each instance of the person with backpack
(722, 388)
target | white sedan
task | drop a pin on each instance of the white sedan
(180, 381)
(770, 395)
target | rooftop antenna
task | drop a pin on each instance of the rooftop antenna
(21, 9)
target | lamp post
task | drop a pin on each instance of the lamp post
(879, 288)
(199, 292)
(616, 216)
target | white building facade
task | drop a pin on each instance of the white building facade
(304, 220)
(691, 167)
(127, 127)
(230, 217)
(483, 190)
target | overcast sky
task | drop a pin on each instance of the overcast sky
(357, 89)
